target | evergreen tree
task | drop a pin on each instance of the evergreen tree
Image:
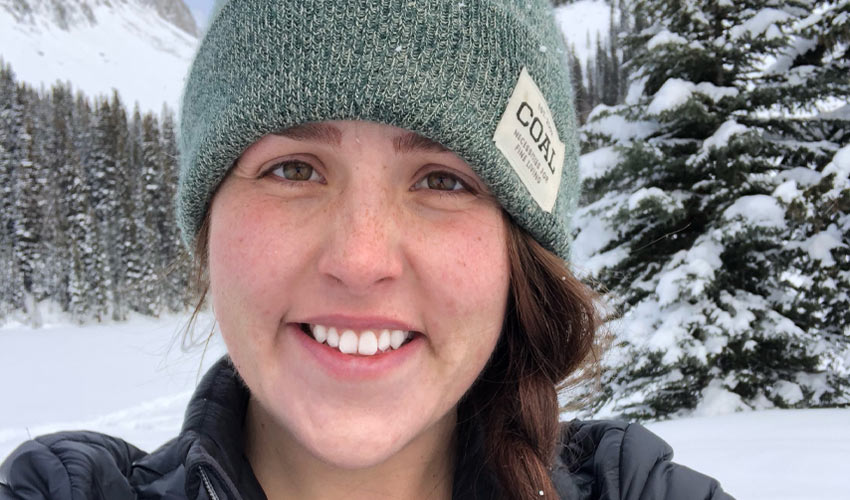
(64, 165)
(118, 230)
(582, 99)
(175, 260)
(151, 211)
(27, 202)
(133, 253)
(10, 124)
(87, 279)
(691, 222)
(105, 189)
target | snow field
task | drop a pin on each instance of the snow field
(129, 379)
(768, 455)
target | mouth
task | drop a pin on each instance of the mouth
(369, 342)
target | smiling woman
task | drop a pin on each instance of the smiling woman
(360, 243)
(378, 197)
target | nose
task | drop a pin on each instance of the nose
(362, 245)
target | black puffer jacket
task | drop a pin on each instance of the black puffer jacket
(597, 460)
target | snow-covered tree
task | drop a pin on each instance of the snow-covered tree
(62, 164)
(704, 211)
(10, 124)
(175, 260)
(150, 208)
(28, 181)
(87, 269)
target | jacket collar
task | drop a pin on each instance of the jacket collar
(213, 432)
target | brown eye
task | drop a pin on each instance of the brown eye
(296, 171)
(442, 181)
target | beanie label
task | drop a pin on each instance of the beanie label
(527, 137)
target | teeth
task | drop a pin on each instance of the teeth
(348, 342)
(320, 333)
(366, 343)
(397, 337)
(384, 340)
(333, 337)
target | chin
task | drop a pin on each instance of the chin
(358, 445)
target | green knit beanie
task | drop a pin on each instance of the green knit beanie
(488, 79)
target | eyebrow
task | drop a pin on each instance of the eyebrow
(324, 132)
(320, 132)
(412, 141)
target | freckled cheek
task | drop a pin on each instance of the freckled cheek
(248, 253)
(470, 267)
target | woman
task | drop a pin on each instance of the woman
(378, 196)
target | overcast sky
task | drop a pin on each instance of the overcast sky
(201, 10)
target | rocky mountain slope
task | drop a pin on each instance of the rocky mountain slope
(140, 47)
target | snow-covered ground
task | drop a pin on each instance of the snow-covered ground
(768, 455)
(132, 380)
(129, 379)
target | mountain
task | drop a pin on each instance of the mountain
(140, 47)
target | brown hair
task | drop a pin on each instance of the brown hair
(548, 343)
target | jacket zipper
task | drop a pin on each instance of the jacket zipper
(207, 484)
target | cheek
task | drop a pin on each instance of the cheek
(463, 268)
(248, 262)
(468, 261)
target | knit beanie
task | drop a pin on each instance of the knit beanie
(488, 79)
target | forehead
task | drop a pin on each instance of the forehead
(404, 141)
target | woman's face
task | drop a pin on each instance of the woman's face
(364, 236)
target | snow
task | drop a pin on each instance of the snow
(617, 127)
(665, 37)
(787, 191)
(763, 23)
(720, 138)
(803, 176)
(675, 92)
(635, 92)
(595, 233)
(716, 401)
(820, 245)
(689, 271)
(788, 391)
(581, 23)
(840, 166)
(656, 199)
(129, 48)
(597, 163)
(767, 455)
(758, 210)
(129, 381)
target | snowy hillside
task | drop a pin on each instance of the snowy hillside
(140, 47)
(129, 380)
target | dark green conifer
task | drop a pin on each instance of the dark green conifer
(689, 221)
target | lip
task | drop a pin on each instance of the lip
(360, 322)
(354, 368)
